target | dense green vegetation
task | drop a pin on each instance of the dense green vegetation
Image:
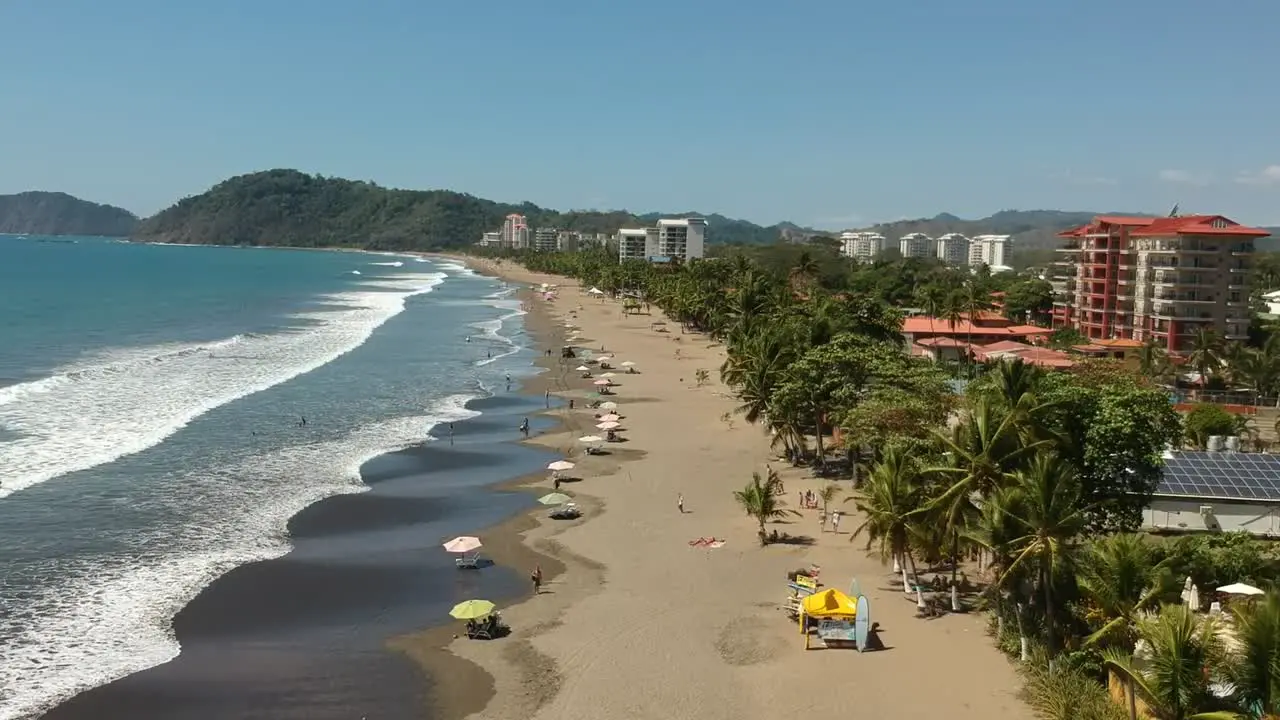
(1037, 476)
(54, 213)
(290, 208)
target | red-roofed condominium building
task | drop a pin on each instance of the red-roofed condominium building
(1156, 278)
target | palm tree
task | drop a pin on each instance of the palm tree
(1051, 516)
(1254, 669)
(828, 493)
(803, 272)
(1206, 354)
(762, 499)
(1173, 681)
(890, 501)
(1120, 579)
(1153, 361)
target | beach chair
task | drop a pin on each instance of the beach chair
(470, 561)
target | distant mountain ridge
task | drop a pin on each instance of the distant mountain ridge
(56, 213)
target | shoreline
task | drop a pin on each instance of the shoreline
(521, 542)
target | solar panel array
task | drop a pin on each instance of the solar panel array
(1225, 475)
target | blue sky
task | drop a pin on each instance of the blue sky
(828, 113)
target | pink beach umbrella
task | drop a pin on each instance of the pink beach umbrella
(602, 382)
(463, 544)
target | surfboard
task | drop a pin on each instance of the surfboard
(862, 623)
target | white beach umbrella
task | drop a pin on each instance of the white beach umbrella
(560, 465)
(604, 358)
(590, 439)
(463, 544)
(611, 405)
(611, 425)
(582, 368)
(628, 364)
(1240, 589)
(609, 418)
(1194, 598)
(602, 382)
(608, 375)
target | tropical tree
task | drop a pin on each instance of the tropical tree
(1253, 669)
(762, 500)
(1121, 577)
(890, 501)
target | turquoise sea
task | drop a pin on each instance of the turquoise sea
(151, 424)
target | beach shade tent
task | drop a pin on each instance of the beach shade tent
(603, 382)
(595, 291)
(554, 499)
(472, 609)
(1240, 589)
(611, 405)
(609, 425)
(560, 466)
(830, 604)
(590, 439)
(463, 544)
(610, 418)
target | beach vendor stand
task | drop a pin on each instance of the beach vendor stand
(837, 616)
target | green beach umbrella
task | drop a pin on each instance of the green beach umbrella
(554, 499)
(471, 609)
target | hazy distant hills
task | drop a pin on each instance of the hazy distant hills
(288, 207)
(55, 213)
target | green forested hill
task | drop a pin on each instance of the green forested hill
(55, 213)
(287, 207)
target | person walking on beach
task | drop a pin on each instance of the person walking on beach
(524, 427)
(450, 433)
(570, 403)
(302, 421)
(546, 395)
(680, 503)
(835, 521)
(536, 577)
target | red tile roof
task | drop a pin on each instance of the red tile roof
(1124, 220)
(1197, 225)
(935, 326)
(936, 342)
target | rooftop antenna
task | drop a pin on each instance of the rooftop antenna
(1174, 212)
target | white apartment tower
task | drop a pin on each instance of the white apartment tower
(632, 244)
(682, 239)
(953, 249)
(989, 250)
(544, 239)
(915, 245)
(861, 246)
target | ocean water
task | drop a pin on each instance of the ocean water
(151, 436)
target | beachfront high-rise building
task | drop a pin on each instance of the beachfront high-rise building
(682, 239)
(915, 245)
(989, 250)
(861, 246)
(567, 241)
(632, 244)
(491, 239)
(544, 239)
(953, 249)
(1158, 279)
(515, 232)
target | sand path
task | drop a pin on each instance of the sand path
(665, 630)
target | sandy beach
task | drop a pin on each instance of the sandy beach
(636, 623)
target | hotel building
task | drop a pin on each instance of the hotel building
(861, 246)
(1156, 279)
(989, 250)
(915, 245)
(634, 244)
(953, 249)
(544, 239)
(682, 239)
(515, 232)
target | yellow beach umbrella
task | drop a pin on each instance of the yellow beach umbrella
(471, 609)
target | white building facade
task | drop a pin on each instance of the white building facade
(989, 250)
(915, 245)
(953, 249)
(682, 239)
(632, 244)
(861, 246)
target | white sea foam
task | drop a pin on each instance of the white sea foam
(490, 328)
(396, 263)
(114, 621)
(91, 414)
(456, 267)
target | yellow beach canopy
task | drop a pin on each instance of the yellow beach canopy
(472, 609)
(830, 603)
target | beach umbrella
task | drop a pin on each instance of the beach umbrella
(554, 499)
(590, 439)
(1240, 589)
(583, 368)
(611, 405)
(463, 544)
(608, 375)
(604, 358)
(628, 364)
(560, 465)
(603, 382)
(1194, 598)
(611, 417)
(472, 609)
(611, 425)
